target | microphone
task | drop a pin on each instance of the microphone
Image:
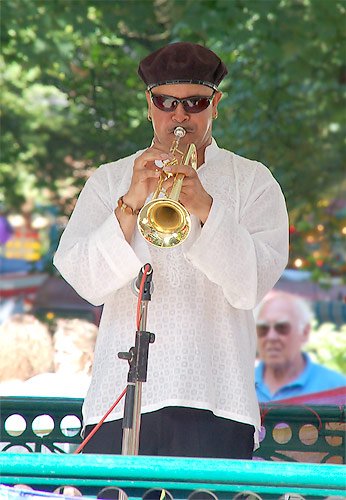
(136, 283)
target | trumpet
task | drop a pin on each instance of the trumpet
(164, 221)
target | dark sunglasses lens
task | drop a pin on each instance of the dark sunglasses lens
(262, 330)
(283, 328)
(164, 103)
(196, 105)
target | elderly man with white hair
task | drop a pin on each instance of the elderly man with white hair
(283, 326)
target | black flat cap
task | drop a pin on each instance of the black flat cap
(182, 62)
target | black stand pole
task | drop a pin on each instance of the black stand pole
(137, 358)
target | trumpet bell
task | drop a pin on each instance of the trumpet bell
(164, 223)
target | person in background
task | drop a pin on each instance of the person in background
(74, 342)
(199, 399)
(284, 371)
(26, 350)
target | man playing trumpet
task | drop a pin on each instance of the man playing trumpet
(200, 397)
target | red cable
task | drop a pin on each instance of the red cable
(267, 409)
(96, 428)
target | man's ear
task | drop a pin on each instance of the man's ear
(306, 333)
(149, 103)
(147, 96)
(215, 102)
(217, 98)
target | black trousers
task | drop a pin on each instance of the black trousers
(179, 432)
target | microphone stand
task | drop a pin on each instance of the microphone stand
(137, 358)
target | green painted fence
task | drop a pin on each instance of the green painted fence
(290, 433)
(49, 430)
(181, 477)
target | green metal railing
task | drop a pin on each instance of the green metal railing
(303, 433)
(289, 433)
(49, 429)
(181, 478)
(40, 424)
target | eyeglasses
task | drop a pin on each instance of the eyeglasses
(281, 327)
(193, 104)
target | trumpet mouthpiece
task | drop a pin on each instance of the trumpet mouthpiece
(179, 132)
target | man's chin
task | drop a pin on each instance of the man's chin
(274, 362)
(272, 356)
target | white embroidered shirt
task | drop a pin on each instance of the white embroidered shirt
(204, 290)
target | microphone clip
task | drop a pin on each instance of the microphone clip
(148, 284)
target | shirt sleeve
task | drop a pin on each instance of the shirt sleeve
(93, 255)
(245, 253)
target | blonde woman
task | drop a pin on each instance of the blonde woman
(74, 341)
(26, 350)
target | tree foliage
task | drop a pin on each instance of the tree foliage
(72, 98)
(327, 346)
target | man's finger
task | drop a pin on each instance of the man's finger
(143, 175)
(181, 169)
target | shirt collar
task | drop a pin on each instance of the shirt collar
(259, 373)
(302, 378)
(299, 381)
(211, 151)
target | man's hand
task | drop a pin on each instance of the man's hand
(144, 178)
(193, 195)
(144, 181)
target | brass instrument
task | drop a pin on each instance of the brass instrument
(163, 221)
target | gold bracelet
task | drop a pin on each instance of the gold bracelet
(125, 208)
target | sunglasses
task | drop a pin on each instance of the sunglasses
(193, 104)
(281, 327)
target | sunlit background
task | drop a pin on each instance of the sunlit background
(72, 100)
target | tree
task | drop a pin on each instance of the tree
(72, 99)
